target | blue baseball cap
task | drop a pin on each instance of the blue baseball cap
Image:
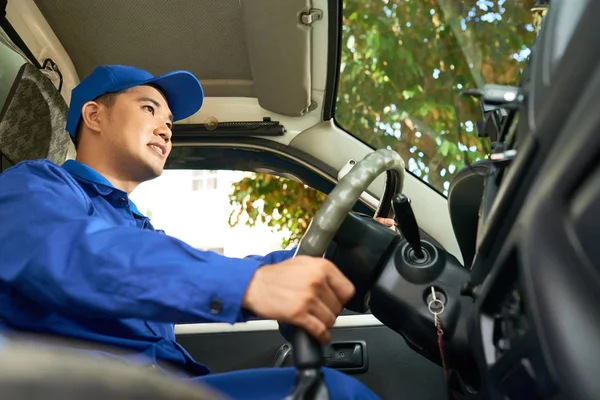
(183, 90)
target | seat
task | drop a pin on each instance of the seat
(39, 370)
(32, 119)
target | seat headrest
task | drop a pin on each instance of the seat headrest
(32, 121)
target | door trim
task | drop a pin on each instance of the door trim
(343, 321)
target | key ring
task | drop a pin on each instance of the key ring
(430, 305)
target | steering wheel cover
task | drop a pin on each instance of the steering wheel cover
(342, 198)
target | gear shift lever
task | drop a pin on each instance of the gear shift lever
(407, 223)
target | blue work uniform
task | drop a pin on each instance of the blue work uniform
(79, 260)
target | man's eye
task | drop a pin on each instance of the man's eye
(149, 108)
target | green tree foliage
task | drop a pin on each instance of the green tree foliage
(403, 64)
(405, 61)
(280, 203)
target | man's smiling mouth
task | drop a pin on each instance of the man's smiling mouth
(159, 149)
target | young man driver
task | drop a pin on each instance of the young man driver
(79, 260)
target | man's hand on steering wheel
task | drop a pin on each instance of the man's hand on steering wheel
(308, 292)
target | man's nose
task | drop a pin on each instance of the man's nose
(164, 131)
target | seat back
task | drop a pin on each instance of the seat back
(32, 113)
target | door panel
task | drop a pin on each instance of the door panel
(395, 371)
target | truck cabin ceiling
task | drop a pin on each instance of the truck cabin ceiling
(263, 53)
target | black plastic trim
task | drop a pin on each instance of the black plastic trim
(187, 132)
(548, 258)
(546, 111)
(266, 145)
(334, 56)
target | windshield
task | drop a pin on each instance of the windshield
(405, 61)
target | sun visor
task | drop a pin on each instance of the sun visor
(278, 36)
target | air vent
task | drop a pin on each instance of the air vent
(266, 127)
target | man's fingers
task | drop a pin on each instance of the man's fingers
(323, 313)
(331, 300)
(307, 292)
(341, 286)
(389, 222)
(315, 327)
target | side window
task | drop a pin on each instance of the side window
(234, 213)
(10, 64)
(204, 180)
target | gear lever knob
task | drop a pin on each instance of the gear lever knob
(407, 223)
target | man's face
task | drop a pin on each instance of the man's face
(138, 132)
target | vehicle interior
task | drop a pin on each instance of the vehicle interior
(472, 123)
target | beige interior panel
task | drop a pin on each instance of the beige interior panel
(223, 88)
(205, 37)
(279, 49)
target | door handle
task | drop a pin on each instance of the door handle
(348, 356)
(281, 355)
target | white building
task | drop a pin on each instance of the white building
(194, 206)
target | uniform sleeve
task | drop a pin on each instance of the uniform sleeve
(54, 252)
(274, 257)
(282, 255)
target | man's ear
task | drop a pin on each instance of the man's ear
(91, 115)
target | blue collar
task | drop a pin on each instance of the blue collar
(99, 182)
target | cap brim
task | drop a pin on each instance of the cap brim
(184, 92)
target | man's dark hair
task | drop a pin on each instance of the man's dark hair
(107, 100)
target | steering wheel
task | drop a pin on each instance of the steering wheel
(307, 353)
